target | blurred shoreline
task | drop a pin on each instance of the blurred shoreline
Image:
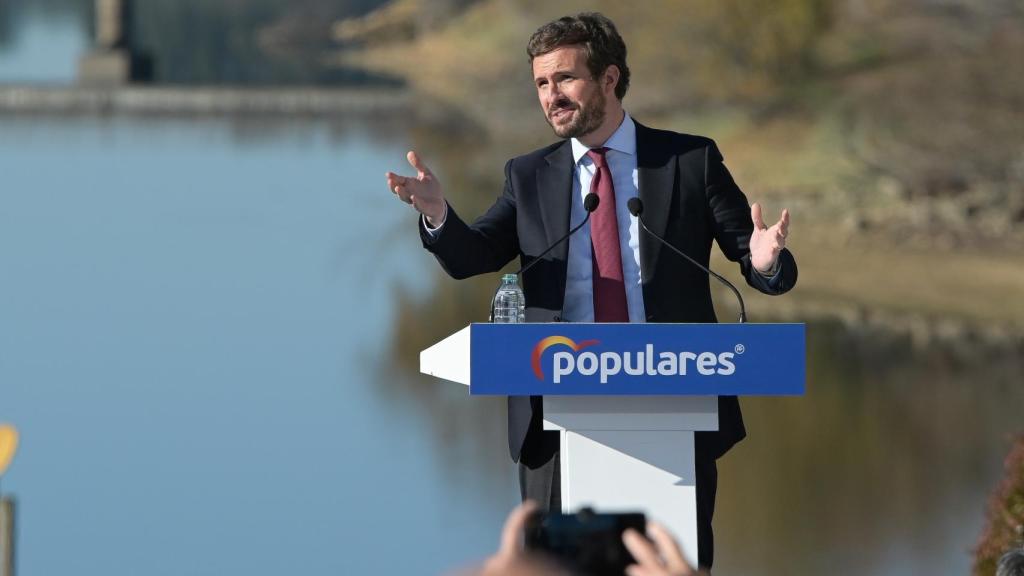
(190, 100)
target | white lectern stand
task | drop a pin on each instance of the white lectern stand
(618, 453)
(636, 453)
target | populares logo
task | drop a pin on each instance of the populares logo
(550, 341)
(644, 362)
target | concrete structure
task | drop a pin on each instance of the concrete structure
(113, 60)
(7, 537)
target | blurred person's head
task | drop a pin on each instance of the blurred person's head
(580, 73)
(1011, 564)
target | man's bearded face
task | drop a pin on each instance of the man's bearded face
(569, 95)
(573, 119)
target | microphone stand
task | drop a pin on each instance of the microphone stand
(636, 208)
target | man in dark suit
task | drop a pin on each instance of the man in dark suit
(609, 271)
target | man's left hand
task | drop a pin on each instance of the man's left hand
(765, 242)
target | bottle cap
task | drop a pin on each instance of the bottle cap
(509, 278)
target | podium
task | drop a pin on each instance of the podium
(626, 399)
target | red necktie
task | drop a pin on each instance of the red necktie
(609, 287)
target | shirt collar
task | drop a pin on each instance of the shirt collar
(622, 140)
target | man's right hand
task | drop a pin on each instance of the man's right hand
(422, 191)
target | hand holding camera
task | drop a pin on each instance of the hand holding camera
(662, 557)
(534, 544)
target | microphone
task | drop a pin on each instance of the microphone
(590, 202)
(636, 208)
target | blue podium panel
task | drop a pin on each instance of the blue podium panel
(638, 359)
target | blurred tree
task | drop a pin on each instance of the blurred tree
(1004, 525)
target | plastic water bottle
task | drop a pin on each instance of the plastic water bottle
(509, 304)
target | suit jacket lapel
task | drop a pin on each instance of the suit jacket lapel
(656, 169)
(554, 183)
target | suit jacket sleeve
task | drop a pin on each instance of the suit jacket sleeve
(732, 226)
(486, 245)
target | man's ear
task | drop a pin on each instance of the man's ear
(611, 77)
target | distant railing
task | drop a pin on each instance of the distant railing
(184, 100)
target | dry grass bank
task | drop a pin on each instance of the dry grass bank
(891, 130)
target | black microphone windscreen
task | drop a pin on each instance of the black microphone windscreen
(590, 202)
(636, 207)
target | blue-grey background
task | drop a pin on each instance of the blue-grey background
(203, 346)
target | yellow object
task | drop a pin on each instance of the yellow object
(8, 446)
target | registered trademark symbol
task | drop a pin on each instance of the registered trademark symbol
(740, 348)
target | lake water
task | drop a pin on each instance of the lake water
(193, 325)
(208, 337)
